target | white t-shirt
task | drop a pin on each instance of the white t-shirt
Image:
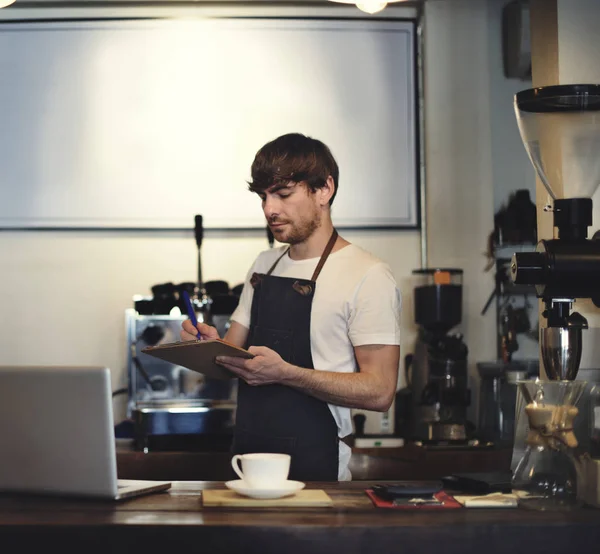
(356, 302)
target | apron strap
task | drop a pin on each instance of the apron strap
(277, 261)
(324, 256)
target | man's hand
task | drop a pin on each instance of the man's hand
(267, 367)
(371, 388)
(189, 332)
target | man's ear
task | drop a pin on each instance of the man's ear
(327, 191)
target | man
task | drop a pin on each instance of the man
(322, 318)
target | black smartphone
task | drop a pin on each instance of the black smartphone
(407, 489)
(479, 483)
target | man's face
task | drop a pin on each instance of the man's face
(292, 212)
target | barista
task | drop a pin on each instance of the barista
(321, 316)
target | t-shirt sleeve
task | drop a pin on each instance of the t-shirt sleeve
(376, 309)
(242, 313)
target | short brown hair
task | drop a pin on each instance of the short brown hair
(293, 157)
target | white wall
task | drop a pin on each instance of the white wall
(66, 292)
(459, 160)
(578, 41)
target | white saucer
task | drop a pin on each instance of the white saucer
(286, 489)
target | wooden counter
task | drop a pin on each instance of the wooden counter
(175, 521)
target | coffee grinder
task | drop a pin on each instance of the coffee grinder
(437, 397)
(560, 128)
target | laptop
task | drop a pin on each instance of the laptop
(57, 434)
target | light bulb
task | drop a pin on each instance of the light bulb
(370, 6)
(4, 3)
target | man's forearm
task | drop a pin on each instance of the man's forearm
(351, 390)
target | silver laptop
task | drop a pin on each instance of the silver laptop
(57, 434)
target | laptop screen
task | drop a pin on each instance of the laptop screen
(58, 432)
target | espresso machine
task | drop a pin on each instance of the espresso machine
(171, 407)
(560, 128)
(433, 407)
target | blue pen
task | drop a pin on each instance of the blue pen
(191, 312)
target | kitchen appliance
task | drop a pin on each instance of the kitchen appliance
(433, 408)
(560, 128)
(173, 408)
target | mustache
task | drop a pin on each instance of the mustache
(274, 220)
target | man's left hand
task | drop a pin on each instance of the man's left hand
(267, 367)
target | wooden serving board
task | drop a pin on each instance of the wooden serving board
(231, 499)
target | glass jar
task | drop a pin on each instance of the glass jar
(546, 477)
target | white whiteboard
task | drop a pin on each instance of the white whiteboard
(143, 124)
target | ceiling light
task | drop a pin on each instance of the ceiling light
(4, 3)
(368, 6)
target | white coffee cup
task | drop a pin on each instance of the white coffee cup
(262, 470)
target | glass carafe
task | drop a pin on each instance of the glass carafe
(546, 477)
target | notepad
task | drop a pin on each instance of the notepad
(493, 500)
(443, 502)
(199, 355)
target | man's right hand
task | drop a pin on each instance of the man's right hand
(189, 332)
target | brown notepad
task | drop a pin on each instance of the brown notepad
(302, 499)
(198, 355)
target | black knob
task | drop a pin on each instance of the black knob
(528, 268)
(198, 230)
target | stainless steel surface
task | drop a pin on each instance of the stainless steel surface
(186, 408)
(176, 382)
(178, 406)
(184, 417)
(447, 432)
(561, 352)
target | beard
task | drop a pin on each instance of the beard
(298, 232)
